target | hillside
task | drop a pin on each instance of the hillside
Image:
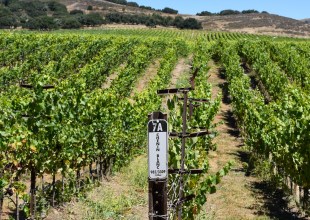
(247, 23)
(104, 7)
(50, 15)
(256, 23)
(307, 20)
(31, 14)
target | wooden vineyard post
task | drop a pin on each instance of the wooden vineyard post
(158, 165)
(1, 203)
(33, 171)
(33, 194)
(184, 128)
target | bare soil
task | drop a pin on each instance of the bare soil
(144, 80)
(112, 76)
(182, 67)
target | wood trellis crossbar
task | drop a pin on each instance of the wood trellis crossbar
(189, 135)
(28, 86)
(173, 91)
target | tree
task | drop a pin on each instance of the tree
(8, 21)
(169, 11)
(229, 12)
(89, 7)
(191, 23)
(252, 11)
(168, 21)
(7, 18)
(147, 7)
(41, 23)
(70, 23)
(113, 18)
(133, 4)
(151, 23)
(205, 13)
(76, 12)
(5, 2)
(91, 19)
(34, 8)
(178, 21)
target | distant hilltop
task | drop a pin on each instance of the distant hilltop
(262, 23)
(53, 14)
(307, 20)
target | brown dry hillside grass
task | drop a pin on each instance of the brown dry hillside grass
(104, 7)
(245, 23)
(256, 23)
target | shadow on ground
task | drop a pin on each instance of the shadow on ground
(275, 201)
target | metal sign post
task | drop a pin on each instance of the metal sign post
(158, 165)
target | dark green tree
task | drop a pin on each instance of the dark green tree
(191, 23)
(178, 21)
(229, 12)
(169, 10)
(205, 13)
(57, 8)
(76, 12)
(41, 23)
(92, 19)
(70, 23)
(252, 11)
(133, 4)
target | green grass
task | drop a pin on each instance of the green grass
(122, 197)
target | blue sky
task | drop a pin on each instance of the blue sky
(297, 9)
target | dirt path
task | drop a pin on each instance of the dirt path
(144, 80)
(182, 67)
(231, 200)
(179, 77)
(112, 76)
(239, 195)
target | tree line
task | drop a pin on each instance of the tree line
(230, 12)
(37, 15)
(43, 15)
(154, 20)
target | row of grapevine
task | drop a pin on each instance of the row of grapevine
(293, 61)
(62, 130)
(188, 35)
(197, 149)
(278, 130)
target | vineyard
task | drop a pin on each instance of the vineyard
(70, 113)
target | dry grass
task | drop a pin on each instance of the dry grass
(123, 196)
(257, 24)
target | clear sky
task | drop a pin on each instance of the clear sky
(297, 9)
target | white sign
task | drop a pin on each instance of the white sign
(158, 149)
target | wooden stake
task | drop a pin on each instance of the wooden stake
(33, 176)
